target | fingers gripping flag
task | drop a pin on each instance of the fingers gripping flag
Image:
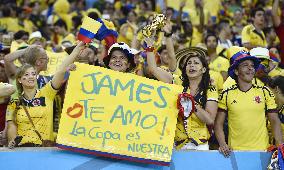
(88, 29)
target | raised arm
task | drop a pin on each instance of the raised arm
(181, 6)
(275, 17)
(170, 46)
(10, 67)
(58, 77)
(6, 90)
(159, 73)
(201, 17)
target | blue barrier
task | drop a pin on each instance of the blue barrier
(52, 158)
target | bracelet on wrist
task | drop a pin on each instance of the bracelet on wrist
(149, 49)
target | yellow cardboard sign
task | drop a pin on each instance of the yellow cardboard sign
(55, 60)
(120, 115)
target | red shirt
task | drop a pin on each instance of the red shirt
(280, 33)
(3, 108)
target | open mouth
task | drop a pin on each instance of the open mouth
(31, 81)
(191, 71)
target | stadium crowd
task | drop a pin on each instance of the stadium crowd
(227, 54)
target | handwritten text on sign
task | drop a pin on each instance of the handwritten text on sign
(119, 113)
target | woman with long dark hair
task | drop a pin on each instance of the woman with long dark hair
(195, 117)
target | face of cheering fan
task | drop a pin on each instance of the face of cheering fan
(118, 61)
(195, 68)
(245, 71)
(28, 79)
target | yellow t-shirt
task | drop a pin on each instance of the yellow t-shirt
(247, 116)
(196, 37)
(128, 36)
(220, 64)
(11, 24)
(217, 80)
(40, 109)
(230, 82)
(250, 35)
(55, 60)
(70, 37)
(196, 129)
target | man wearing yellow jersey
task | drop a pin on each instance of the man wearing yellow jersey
(216, 63)
(252, 34)
(244, 103)
(60, 28)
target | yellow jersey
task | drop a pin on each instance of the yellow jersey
(40, 109)
(197, 131)
(220, 64)
(217, 80)
(247, 116)
(250, 35)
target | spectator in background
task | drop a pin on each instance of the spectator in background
(276, 84)
(270, 36)
(37, 39)
(60, 28)
(129, 29)
(238, 25)
(237, 103)
(224, 30)
(216, 63)
(278, 23)
(252, 34)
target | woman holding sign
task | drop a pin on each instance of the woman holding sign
(30, 119)
(198, 103)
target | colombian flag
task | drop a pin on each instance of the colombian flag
(107, 29)
(88, 29)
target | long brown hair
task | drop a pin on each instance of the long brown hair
(19, 74)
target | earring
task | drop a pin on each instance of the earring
(20, 82)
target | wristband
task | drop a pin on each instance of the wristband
(149, 49)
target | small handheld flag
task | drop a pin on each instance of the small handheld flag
(88, 29)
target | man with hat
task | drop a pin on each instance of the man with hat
(245, 103)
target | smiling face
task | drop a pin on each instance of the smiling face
(28, 79)
(195, 68)
(245, 71)
(118, 61)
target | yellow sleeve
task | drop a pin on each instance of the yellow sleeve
(10, 110)
(212, 94)
(48, 91)
(219, 83)
(269, 100)
(222, 103)
(246, 35)
(225, 65)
